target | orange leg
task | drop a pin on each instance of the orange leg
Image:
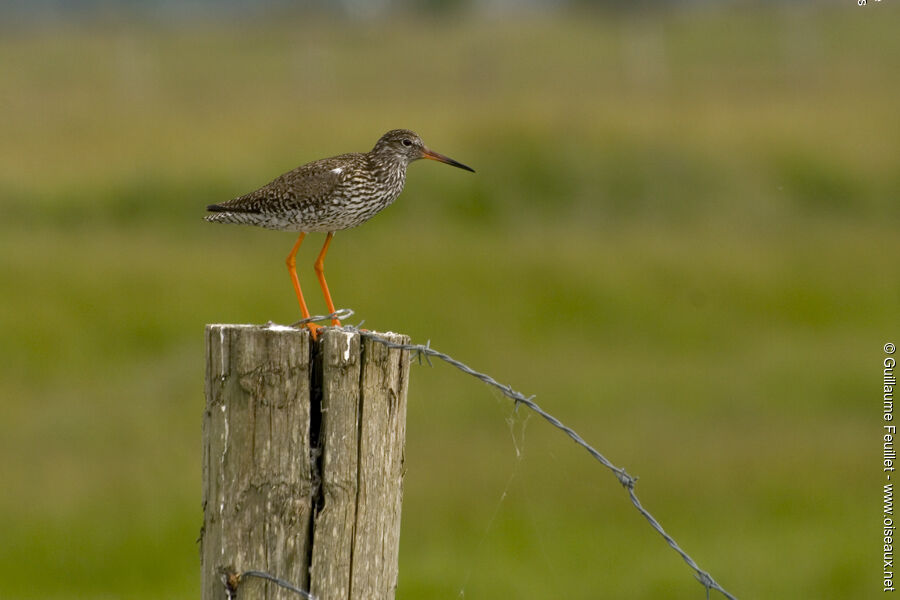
(292, 269)
(320, 273)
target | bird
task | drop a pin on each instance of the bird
(329, 195)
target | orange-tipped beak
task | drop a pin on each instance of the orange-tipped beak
(426, 153)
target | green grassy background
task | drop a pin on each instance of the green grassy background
(681, 238)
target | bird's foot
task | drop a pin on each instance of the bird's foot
(314, 330)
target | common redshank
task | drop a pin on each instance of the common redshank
(328, 195)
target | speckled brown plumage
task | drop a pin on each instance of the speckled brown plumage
(329, 195)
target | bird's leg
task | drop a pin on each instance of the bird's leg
(292, 269)
(320, 273)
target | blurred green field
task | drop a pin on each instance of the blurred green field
(681, 238)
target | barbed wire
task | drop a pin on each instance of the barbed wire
(231, 579)
(519, 398)
(341, 313)
(627, 481)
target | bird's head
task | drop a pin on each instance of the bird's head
(406, 146)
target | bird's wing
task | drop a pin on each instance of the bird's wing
(306, 185)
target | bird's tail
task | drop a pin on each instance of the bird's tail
(223, 217)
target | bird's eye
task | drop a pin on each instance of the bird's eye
(406, 142)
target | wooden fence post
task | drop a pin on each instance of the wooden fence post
(302, 461)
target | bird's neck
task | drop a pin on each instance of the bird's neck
(390, 168)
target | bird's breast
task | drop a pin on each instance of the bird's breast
(359, 197)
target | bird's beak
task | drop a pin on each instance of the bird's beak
(426, 153)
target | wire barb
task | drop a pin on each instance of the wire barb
(232, 580)
(627, 481)
(341, 313)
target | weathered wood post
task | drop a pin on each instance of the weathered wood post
(302, 461)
